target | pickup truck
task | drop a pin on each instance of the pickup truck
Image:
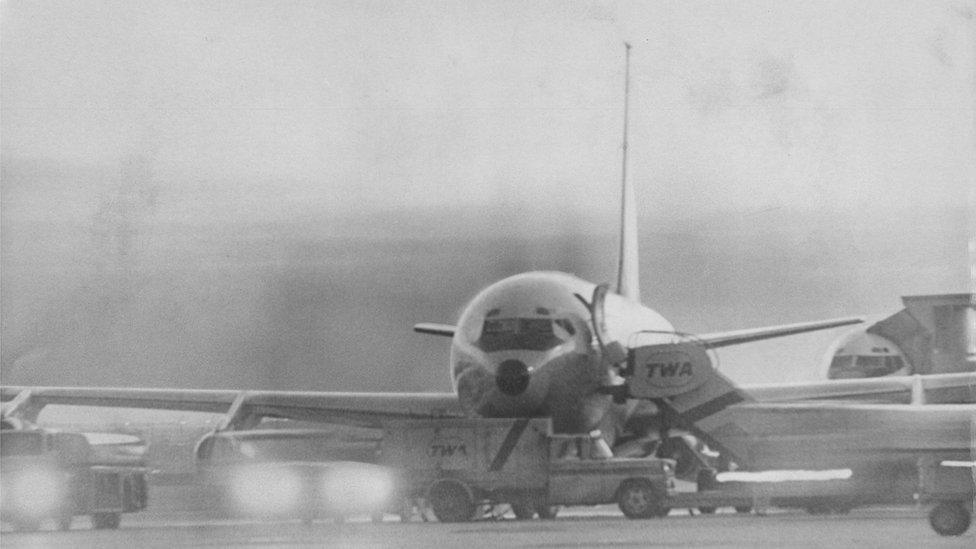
(305, 474)
(48, 474)
(459, 466)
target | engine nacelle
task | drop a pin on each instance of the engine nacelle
(203, 450)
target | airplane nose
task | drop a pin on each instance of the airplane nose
(512, 377)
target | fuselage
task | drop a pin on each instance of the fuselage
(525, 346)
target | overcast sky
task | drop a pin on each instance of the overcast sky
(757, 128)
(337, 105)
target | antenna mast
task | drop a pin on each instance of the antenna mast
(623, 171)
(628, 278)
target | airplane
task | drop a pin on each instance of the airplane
(535, 344)
(933, 334)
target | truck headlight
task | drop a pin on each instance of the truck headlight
(358, 486)
(36, 491)
(265, 489)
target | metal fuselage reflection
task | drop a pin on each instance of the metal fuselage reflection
(524, 347)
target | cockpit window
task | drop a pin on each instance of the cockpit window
(865, 365)
(529, 334)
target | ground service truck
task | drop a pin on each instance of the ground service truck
(459, 466)
(56, 475)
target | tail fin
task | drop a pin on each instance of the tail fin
(628, 275)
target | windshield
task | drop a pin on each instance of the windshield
(530, 334)
(865, 365)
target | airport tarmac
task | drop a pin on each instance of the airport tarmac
(581, 527)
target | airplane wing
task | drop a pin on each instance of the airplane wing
(936, 388)
(724, 339)
(826, 434)
(361, 409)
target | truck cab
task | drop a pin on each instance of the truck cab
(58, 475)
(292, 473)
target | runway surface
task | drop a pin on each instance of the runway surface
(581, 527)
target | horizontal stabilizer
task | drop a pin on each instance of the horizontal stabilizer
(724, 339)
(434, 329)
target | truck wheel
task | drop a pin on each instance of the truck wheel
(451, 501)
(106, 521)
(547, 512)
(64, 522)
(950, 518)
(523, 511)
(638, 499)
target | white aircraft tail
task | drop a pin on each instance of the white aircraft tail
(628, 273)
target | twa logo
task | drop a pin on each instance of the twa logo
(447, 450)
(447, 447)
(669, 369)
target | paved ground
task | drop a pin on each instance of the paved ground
(581, 527)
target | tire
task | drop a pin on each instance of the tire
(64, 522)
(547, 512)
(451, 501)
(106, 521)
(950, 518)
(638, 499)
(743, 509)
(523, 511)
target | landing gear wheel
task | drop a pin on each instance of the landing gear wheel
(950, 518)
(106, 521)
(523, 511)
(451, 501)
(638, 499)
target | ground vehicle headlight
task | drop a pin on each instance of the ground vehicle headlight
(358, 486)
(36, 491)
(265, 489)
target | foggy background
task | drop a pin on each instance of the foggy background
(269, 194)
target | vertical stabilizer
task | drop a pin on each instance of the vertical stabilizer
(628, 275)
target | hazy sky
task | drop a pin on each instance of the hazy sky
(327, 106)
(791, 160)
